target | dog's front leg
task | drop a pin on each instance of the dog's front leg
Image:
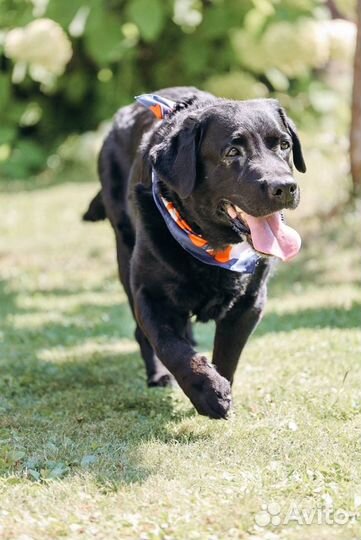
(165, 329)
(233, 331)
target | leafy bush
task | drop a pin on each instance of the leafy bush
(67, 66)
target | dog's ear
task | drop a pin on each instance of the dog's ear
(298, 159)
(296, 143)
(175, 159)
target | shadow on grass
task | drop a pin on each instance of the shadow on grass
(76, 325)
(89, 409)
(88, 412)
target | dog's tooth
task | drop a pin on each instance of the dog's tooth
(231, 211)
(239, 211)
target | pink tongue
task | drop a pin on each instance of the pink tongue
(271, 236)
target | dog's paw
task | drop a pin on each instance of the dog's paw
(161, 380)
(209, 392)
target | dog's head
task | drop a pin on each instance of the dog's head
(228, 165)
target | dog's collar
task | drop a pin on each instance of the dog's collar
(240, 257)
(160, 106)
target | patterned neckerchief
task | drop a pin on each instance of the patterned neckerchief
(240, 257)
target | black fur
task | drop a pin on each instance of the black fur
(166, 285)
(96, 210)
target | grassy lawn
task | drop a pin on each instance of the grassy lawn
(87, 451)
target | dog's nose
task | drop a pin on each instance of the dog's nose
(283, 191)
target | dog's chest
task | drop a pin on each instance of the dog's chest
(211, 292)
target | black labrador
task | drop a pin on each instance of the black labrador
(226, 167)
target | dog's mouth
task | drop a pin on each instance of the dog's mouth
(268, 235)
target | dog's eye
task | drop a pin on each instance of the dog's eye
(284, 145)
(233, 152)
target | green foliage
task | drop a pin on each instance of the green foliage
(148, 15)
(120, 48)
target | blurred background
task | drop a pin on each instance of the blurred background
(65, 68)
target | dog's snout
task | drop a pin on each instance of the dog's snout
(283, 191)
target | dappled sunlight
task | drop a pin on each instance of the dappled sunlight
(317, 367)
(33, 320)
(66, 301)
(87, 350)
(344, 297)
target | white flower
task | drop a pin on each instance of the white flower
(42, 45)
(14, 43)
(295, 48)
(187, 13)
(342, 39)
(291, 48)
(39, 7)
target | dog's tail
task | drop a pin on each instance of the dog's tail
(96, 209)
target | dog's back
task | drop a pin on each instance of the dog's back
(118, 151)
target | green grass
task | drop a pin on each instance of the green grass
(86, 451)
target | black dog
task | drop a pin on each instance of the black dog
(226, 168)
